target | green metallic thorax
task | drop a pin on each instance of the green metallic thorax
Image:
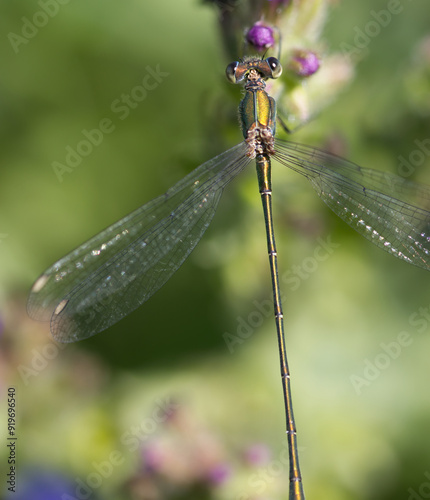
(257, 109)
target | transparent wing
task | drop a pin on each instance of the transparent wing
(114, 272)
(386, 209)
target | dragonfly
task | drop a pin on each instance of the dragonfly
(113, 273)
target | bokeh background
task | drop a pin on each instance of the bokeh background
(161, 406)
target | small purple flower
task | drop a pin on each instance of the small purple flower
(219, 474)
(304, 63)
(260, 36)
(41, 484)
(257, 455)
(153, 457)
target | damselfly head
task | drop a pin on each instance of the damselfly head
(268, 68)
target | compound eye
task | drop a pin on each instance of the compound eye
(275, 66)
(231, 72)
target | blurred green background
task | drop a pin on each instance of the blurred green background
(222, 434)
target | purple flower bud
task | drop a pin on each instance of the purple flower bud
(153, 457)
(41, 484)
(260, 36)
(219, 474)
(257, 455)
(304, 63)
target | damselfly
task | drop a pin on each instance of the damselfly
(117, 270)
